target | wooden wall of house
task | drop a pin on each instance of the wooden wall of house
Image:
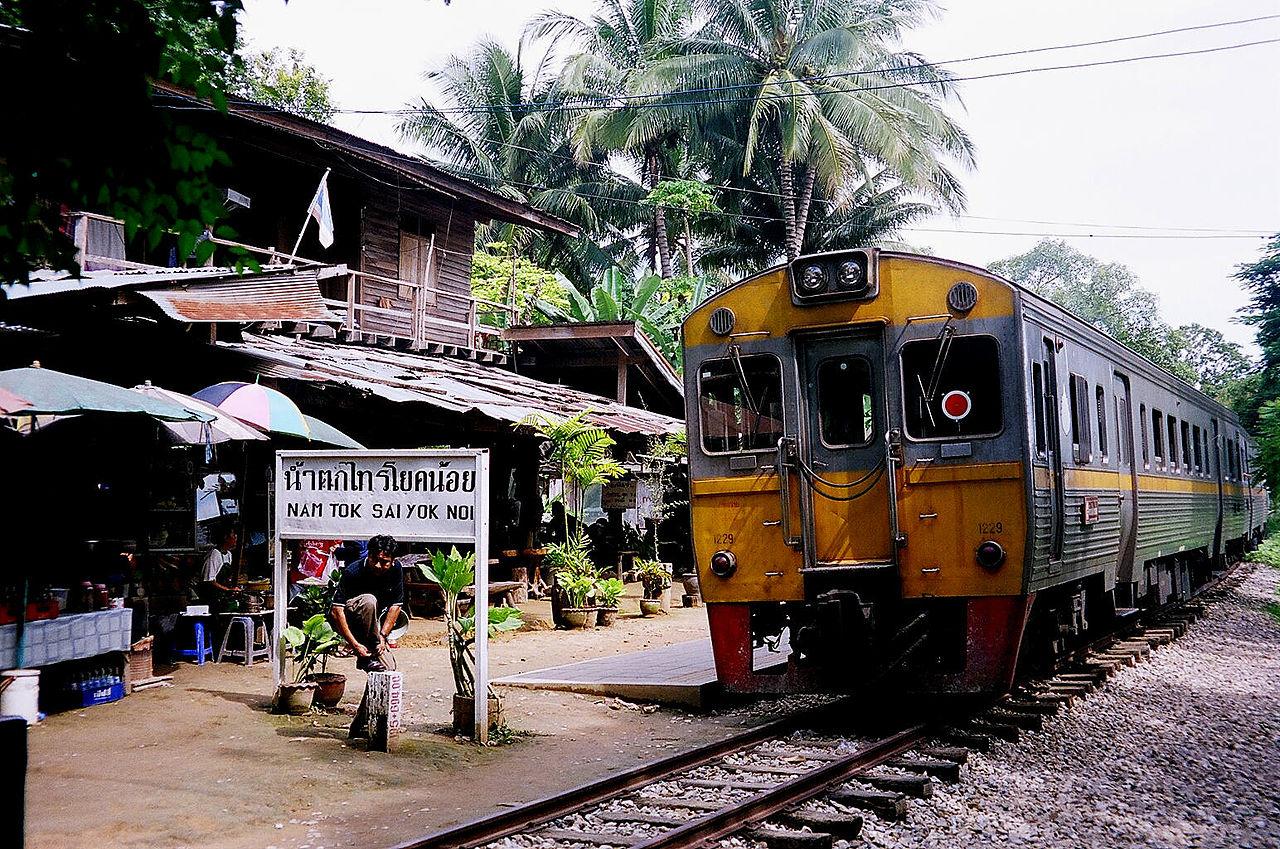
(381, 253)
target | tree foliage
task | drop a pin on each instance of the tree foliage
(501, 276)
(492, 128)
(1104, 294)
(144, 165)
(656, 305)
(283, 79)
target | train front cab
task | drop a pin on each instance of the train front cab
(857, 448)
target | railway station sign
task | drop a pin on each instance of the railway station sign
(426, 496)
(433, 496)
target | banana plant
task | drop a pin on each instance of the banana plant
(454, 572)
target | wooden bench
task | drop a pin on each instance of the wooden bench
(419, 594)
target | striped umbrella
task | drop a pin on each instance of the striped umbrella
(258, 405)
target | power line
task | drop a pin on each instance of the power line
(835, 205)
(625, 98)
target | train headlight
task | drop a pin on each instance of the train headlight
(852, 277)
(990, 555)
(723, 564)
(813, 279)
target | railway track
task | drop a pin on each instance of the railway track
(801, 782)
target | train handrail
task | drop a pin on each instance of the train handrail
(784, 492)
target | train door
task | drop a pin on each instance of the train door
(1053, 447)
(845, 502)
(1127, 482)
(1217, 468)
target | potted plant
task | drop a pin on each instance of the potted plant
(658, 471)
(575, 581)
(308, 647)
(608, 596)
(455, 572)
(655, 577)
(582, 455)
(579, 590)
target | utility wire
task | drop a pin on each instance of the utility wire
(835, 205)
(614, 99)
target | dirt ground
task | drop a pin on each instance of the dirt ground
(203, 763)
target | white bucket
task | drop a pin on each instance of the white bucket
(21, 694)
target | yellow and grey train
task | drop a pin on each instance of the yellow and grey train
(907, 468)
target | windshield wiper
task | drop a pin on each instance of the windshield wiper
(735, 354)
(945, 336)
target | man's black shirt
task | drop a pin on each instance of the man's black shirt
(357, 579)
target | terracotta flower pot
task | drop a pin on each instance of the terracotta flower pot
(295, 699)
(329, 687)
(606, 616)
(579, 617)
(464, 712)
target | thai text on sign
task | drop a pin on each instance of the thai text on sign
(353, 495)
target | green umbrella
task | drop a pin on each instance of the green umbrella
(56, 393)
(327, 433)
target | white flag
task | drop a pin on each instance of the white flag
(320, 211)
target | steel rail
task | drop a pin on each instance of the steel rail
(485, 829)
(766, 803)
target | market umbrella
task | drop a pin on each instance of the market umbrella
(266, 408)
(222, 428)
(52, 392)
(10, 403)
(324, 432)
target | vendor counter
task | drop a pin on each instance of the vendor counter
(68, 637)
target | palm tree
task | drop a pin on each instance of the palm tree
(814, 92)
(615, 50)
(495, 128)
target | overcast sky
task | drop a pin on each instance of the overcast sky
(1189, 142)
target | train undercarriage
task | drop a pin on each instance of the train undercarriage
(850, 637)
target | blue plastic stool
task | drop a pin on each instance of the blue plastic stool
(203, 647)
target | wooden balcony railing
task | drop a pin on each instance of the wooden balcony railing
(418, 325)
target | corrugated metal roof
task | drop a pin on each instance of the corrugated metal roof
(256, 297)
(200, 294)
(459, 386)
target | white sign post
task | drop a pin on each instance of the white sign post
(415, 496)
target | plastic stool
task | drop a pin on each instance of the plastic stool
(250, 652)
(203, 647)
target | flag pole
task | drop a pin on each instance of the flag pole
(307, 220)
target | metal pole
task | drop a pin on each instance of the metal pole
(482, 597)
(279, 578)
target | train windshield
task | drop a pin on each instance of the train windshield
(951, 387)
(740, 403)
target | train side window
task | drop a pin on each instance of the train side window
(1173, 444)
(1186, 445)
(740, 403)
(1157, 435)
(1103, 447)
(1197, 436)
(845, 412)
(1142, 422)
(1081, 447)
(1037, 405)
(952, 390)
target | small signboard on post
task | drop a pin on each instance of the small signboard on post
(618, 495)
(436, 496)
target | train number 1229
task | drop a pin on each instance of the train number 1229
(990, 528)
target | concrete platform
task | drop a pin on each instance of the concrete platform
(680, 674)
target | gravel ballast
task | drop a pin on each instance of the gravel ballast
(1181, 751)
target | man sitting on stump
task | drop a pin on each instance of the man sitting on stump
(373, 583)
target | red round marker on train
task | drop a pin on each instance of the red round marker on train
(956, 404)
